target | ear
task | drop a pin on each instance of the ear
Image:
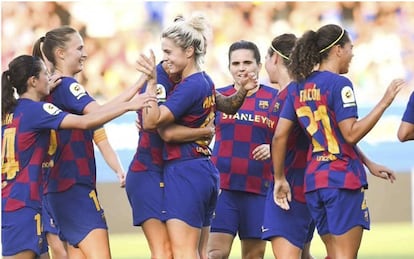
(60, 53)
(338, 50)
(189, 52)
(31, 81)
(275, 58)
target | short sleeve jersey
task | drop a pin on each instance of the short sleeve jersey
(238, 135)
(409, 110)
(192, 103)
(73, 157)
(25, 141)
(296, 153)
(319, 103)
(148, 155)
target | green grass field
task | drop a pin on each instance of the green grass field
(385, 240)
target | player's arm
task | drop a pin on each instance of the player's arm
(376, 169)
(354, 130)
(232, 103)
(180, 133)
(281, 193)
(108, 153)
(405, 131)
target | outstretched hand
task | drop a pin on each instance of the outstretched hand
(146, 65)
(141, 101)
(248, 81)
(395, 86)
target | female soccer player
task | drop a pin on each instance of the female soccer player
(242, 155)
(72, 179)
(191, 180)
(144, 184)
(323, 102)
(26, 124)
(290, 232)
(406, 129)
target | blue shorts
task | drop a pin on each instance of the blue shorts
(77, 212)
(49, 225)
(22, 230)
(336, 211)
(295, 225)
(191, 189)
(146, 195)
(239, 212)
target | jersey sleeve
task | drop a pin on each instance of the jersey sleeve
(344, 102)
(288, 109)
(47, 115)
(182, 98)
(409, 110)
(71, 96)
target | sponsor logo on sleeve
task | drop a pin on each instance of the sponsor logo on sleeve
(161, 93)
(51, 109)
(348, 97)
(77, 90)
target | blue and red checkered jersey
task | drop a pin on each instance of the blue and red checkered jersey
(148, 155)
(25, 140)
(192, 102)
(319, 104)
(296, 153)
(238, 135)
(409, 110)
(73, 157)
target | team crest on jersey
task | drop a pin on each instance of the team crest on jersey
(276, 107)
(348, 97)
(161, 93)
(77, 90)
(51, 109)
(263, 104)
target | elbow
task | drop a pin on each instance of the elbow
(402, 137)
(166, 136)
(351, 139)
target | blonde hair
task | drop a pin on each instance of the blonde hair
(190, 33)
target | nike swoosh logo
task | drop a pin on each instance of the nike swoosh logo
(264, 229)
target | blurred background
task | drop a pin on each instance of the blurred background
(115, 32)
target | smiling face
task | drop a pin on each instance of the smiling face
(74, 54)
(175, 58)
(242, 61)
(346, 58)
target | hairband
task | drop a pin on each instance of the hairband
(278, 52)
(333, 43)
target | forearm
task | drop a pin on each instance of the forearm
(231, 104)
(108, 153)
(278, 151)
(128, 93)
(179, 133)
(96, 118)
(151, 115)
(365, 160)
(360, 128)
